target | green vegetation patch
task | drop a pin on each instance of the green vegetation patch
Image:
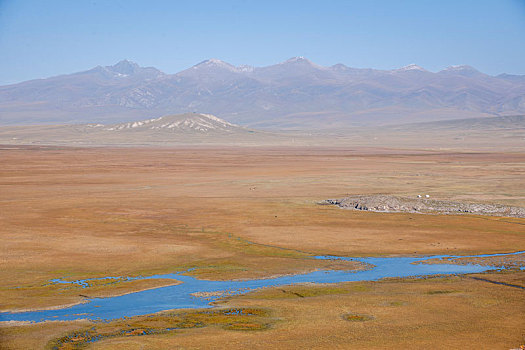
(235, 319)
(441, 291)
(357, 318)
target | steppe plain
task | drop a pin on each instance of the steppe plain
(246, 212)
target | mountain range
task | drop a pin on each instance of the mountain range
(295, 94)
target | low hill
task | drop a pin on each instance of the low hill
(504, 133)
(190, 128)
(185, 124)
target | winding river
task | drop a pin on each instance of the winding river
(195, 293)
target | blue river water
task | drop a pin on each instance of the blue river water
(183, 296)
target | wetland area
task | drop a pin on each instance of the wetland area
(194, 293)
(229, 247)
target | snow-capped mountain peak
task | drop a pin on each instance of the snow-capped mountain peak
(213, 63)
(301, 62)
(245, 68)
(461, 70)
(411, 67)
(298, 59)
(458, 67)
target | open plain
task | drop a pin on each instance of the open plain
(250, 212)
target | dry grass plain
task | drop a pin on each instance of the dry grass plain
(251, 212)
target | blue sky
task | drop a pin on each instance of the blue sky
(44, 38)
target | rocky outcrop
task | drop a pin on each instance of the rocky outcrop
(387, 203)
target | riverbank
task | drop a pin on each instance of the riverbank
(196, 293)
(404, 313)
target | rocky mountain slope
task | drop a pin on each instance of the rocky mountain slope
(296, 93)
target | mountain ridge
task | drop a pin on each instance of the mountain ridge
(284, 95)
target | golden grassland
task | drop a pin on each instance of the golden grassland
(252, 212)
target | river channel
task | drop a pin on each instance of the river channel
(195, 293)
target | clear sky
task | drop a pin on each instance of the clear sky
(41, 38)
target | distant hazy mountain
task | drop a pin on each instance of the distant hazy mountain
(293, 94)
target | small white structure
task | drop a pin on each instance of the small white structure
(418, 196)
(427, 196)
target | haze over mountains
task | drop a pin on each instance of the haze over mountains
(295, 94)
